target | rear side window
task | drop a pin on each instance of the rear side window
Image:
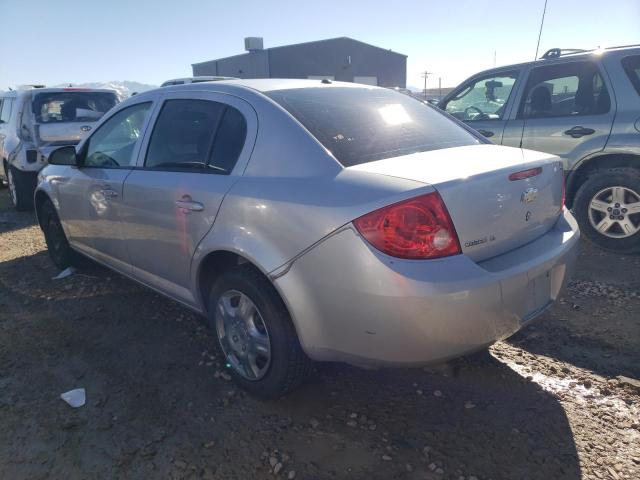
(632, 67)
(565, 90)
(72, 106)
(360, 125)
(197, 135)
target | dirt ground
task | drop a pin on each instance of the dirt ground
(550, 403)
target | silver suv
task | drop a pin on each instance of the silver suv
(34, 121)
(583, 106)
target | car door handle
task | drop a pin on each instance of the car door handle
(578, 131)
(486, 133)
(188, 205)
(108, 192)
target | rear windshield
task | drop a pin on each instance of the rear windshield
(360, 125)
(632, 67)
(72, 106)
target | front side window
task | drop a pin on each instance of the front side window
(483, 99)
(565, 90)
(631, 65)
(113, 144)
(196, 135)
(360, 125)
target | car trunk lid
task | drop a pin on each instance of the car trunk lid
(492, 213)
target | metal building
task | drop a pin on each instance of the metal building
(343, 59)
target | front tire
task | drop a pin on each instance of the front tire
(21, 187)
(61, 253)
(255, 334)
(607, 208)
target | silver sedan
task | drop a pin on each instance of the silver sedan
(314, 220)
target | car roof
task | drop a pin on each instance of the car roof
(568, 57)
(71, 89)
(268, 84)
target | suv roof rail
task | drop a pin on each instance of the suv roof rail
(560, 52)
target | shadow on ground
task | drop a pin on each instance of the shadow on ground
(158, 404)
(596, 325)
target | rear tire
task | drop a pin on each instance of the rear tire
(598, 189)
(62, 255)
(287, 365)
(21, 188)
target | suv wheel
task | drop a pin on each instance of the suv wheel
(255, 333)
(21, 188)
(61, 253)
(607, 207)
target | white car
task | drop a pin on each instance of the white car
(36, 120)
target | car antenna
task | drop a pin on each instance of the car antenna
(544, 11)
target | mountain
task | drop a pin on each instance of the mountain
(124, 88)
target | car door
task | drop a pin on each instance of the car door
(567, 110)
(197, 150)
(90, 195)
(484, 103)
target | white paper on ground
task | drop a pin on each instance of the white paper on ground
(65, 273)
(76, 398)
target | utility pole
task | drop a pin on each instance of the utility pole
(425, 75)
(439, 88)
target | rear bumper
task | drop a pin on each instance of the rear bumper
(352, 303)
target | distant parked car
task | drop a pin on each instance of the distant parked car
(583, 106)
(373, 230)
(203, 78)
(36, 120)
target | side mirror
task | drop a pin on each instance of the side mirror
(64, 156)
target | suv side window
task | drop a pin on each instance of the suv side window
(196, 135)
(113, 144)
(632, 67)
(5, 109)
(483, 99)
(565, 90)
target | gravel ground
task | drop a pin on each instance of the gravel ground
(556, 401)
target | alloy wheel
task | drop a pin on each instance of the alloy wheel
(243, 335)
(615, 212)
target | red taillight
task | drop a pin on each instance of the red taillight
(532, 172)
(418, 228)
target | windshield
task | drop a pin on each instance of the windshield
(360, 125)
(61, 107)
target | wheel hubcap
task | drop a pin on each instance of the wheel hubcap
(243, 335)
(615, 212)
(12, 187)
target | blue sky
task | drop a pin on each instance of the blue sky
(148, 41)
